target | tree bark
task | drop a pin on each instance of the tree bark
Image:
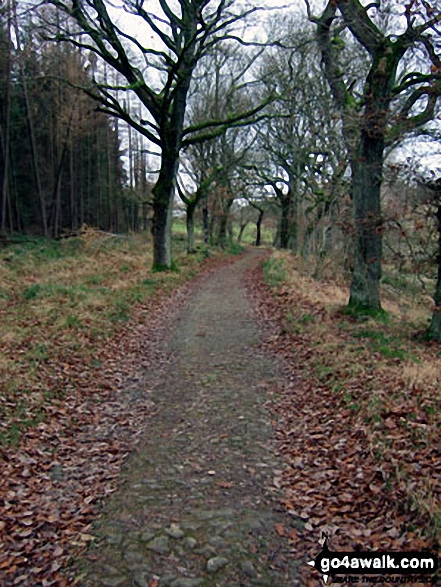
(205, 222)
(222, 234)
(190, 228)
(58, 184)
(284, 223)
(230, 231)
(223, 224)
(435, 325)
(241, 231)
(367, 179)
(163, 194)
(259, 228)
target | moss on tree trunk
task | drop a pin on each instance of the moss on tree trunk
(367, 178)
(435, 325)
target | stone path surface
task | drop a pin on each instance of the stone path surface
(197, 505)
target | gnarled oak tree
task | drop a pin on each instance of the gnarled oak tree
(398, 94)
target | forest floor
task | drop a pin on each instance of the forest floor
(249, 418)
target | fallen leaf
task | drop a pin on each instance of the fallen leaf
(225, 484)
(280, 529)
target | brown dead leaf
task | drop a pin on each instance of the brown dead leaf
(225, 484)
(280, 529)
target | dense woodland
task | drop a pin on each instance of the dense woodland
(232, 114)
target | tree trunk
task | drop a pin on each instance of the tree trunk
(230, 231)
(259, 228)
(241, 231)
(57, 210)
(284, 224)
(31, 130)
(223, 224)
(5, 179)
(222, 234)
(72, 190)
(5, 135)
(35, 165)
(435, 325)
(293, 241)
(276, 239)
(293, 230)
(58, 185)
(306, 246)
(190, 228)
(163, 193)
(205, 222)
(367, 178)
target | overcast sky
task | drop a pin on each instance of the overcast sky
(136, 26)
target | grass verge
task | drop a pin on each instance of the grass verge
(380, 368)
(62, 300)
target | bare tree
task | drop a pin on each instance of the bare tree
(301, 146)
(159, 73)
(397, 94)
(212, 164)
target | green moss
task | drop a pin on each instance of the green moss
(363, 313)
(158, 268)
(338, 42)
(165, 268)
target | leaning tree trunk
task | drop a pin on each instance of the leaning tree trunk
(163, 196)
(367, 178)
(435, 325)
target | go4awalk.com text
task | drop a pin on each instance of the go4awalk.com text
(388, 567)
